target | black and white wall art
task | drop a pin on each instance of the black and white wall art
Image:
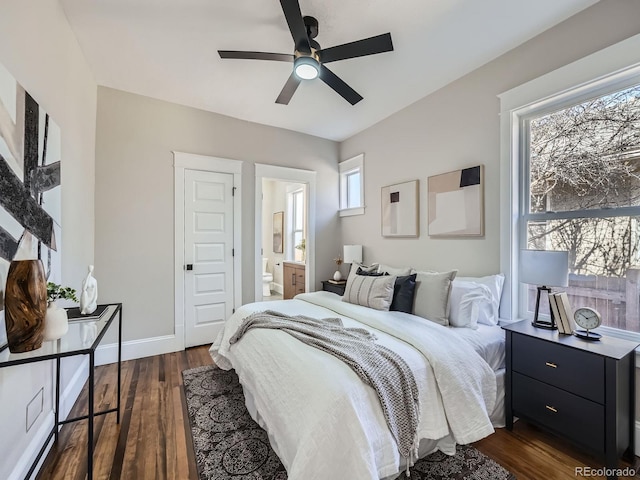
(400, 203)
(456, 203)
(30, 187)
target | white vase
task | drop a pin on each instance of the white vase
(337, 276)
(56, 323)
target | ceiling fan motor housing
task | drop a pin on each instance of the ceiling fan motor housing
(312, 26)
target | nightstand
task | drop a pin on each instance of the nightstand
(580, 390)
(338, 288)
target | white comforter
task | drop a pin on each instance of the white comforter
(324, 423)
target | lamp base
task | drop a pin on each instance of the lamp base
(546, 325)
(542, 323)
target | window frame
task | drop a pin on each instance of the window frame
(347, 168)
(292, 192)
(608, 70)
(525, 216)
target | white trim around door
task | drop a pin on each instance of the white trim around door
(287, 174)
(189, 161)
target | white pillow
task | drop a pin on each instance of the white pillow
(432, 295)
(469, 303)
(495, 284)
(372, 292)
(400, 272)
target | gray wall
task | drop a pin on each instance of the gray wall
(39, 49)
(134, 196)
(458, 126)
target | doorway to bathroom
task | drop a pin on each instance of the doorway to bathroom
(284, 232)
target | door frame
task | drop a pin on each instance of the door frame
(295, 175)
(190, 161)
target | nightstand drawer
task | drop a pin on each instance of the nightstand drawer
(575, 371)
(574, 417)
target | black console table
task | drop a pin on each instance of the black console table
(83, 337)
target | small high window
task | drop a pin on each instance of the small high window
(352, 186)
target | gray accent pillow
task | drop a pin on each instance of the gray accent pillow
(432, 295)
(373, 292)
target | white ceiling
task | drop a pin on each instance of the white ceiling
(167, 49)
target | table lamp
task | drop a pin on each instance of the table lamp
(352, 254)
(544, 269)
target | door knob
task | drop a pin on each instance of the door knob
(189, 266)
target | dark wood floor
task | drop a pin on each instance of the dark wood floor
(152, 440)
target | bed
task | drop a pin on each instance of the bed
(323, 422)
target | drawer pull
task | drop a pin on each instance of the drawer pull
(550, 364)
(551, 408)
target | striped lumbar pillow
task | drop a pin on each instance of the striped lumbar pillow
(373, 292)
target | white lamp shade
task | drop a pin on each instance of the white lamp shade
(544, 267)
(352, 254)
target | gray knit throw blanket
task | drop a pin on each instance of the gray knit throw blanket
(377, 366)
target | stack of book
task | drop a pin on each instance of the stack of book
(337, 282)
(562, 312)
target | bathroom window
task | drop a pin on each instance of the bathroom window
(297, 225)
(352, 186)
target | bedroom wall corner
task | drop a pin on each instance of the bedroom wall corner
(39, 49)
(457, 127)
(134, 228)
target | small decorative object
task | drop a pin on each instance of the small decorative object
(56, 322)
(400, 210)
(337, 276)
(278, 226)
(89, 295)
(544, 269)
(456, 203)
(587, 318)
(25, 305)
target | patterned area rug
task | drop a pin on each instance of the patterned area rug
(229, 445)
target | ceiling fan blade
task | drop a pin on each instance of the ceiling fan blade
(368, 46)
(280, 57)
(331, 79)
(288, 90)
(292, 13)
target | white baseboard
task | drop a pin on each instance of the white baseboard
(68, 398)
(146, 347)
(29, 455)
(276, 287)
(70, 394)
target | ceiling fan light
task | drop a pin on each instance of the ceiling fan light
(306, 68)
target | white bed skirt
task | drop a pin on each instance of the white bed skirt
(427, 446)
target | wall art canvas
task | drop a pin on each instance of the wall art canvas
(456, 203)
(278, 226)
(30, 189)
(400, 205)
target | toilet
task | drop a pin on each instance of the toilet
(267, 278)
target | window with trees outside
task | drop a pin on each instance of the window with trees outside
(581, 193)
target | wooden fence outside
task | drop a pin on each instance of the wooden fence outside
(616, 298)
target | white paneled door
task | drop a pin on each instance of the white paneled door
(208, 244)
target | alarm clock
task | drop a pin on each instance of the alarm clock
(588, 319)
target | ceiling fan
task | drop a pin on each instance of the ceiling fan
(309, 58)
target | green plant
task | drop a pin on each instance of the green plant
(55, 291)
(302, 245)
